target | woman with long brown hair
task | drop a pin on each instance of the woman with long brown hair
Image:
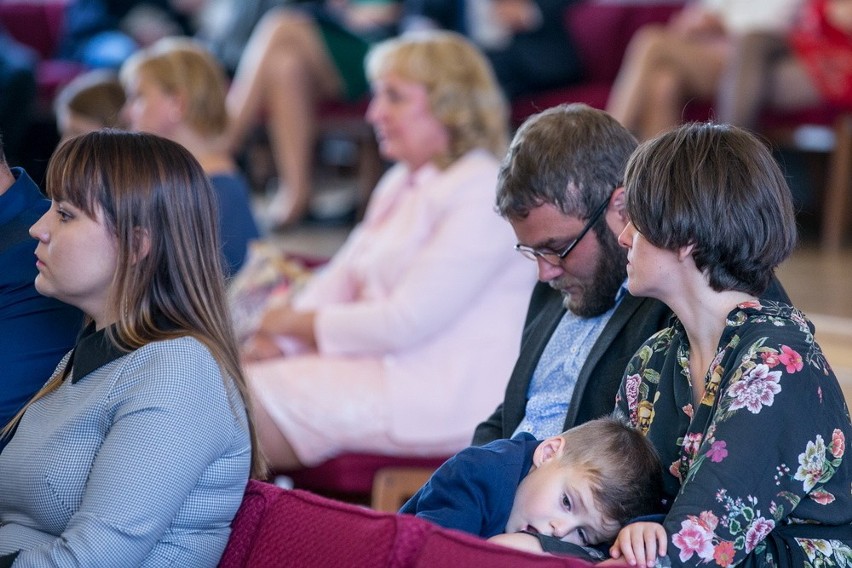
(138, 449)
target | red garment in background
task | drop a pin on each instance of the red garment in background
(826, 52)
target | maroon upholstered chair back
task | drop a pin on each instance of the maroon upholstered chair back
(449, 549)
(257, 500)
(36, 24)
(353, 474)
(601, 33)
(39, 26)
(294, 528)
(309, 530)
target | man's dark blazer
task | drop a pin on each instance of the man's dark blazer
(635, 320)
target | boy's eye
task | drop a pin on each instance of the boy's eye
(582, 534)
(566, 502)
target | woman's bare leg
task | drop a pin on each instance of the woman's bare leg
(285, 71)
(627, 98)
(744, 87)
(661, 71)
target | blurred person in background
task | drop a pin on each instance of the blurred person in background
(405, 338)
(176, 89)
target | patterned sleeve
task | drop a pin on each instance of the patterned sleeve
(171, 418)
(772, 449)
(639, 376)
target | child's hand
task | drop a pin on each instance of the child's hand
(640, 543)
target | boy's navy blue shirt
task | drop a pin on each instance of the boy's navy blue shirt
(474, 490)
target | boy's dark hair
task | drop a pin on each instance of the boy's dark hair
(624, 469)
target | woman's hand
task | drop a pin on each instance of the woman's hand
(284, 320)
(260, 346)
(640, 544)
(518, 541)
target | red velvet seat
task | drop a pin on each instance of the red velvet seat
(258, 498)
(449, 549)
(302, 530)
(291, 528)
(352, 475)
(39, 26)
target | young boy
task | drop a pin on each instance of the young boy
(579, 487)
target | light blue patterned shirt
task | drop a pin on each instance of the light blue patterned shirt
(555, 376)
(135, 460)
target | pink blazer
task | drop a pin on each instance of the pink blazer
(430, 284)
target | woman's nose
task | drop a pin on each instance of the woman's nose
(625, 239)
(374, 110)
(38, 230)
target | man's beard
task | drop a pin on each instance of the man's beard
(599, 293)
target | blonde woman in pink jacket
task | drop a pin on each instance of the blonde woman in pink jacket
(408, 336)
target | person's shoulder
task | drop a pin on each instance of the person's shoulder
(179, 365)
(770, 317)
(477, 161)
(233, 181)
(179, 356)
(24, 199)
(469, 183)
(770, 333)
(504, 448)
(650, 316)
(645, 308)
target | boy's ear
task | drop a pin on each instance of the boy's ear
(548, 449)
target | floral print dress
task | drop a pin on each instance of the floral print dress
(764, 448)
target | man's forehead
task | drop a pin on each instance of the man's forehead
(546, 221)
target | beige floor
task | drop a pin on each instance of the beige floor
(818, 284)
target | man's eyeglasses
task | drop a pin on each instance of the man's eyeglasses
(554, 258)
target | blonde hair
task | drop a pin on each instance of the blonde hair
(145, 184)
(463, 92)
(95, 95)
(182, 67)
